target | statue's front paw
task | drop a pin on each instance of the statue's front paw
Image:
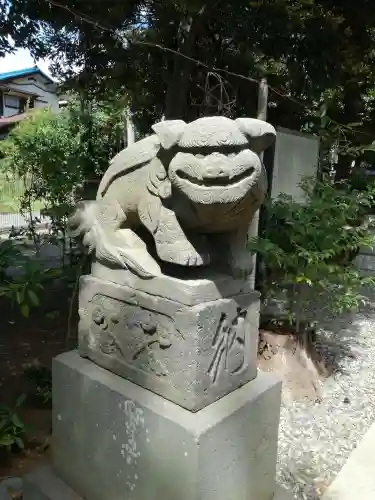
(242, 265)
(183, 254)
(190, 257)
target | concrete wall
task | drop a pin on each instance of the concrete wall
(30, 85)
(296, 156)
(365, 260)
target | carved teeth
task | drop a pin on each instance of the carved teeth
(215, 181)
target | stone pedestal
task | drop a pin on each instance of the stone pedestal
(115, 440)
(162, 401)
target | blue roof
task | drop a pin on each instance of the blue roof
(9, 75)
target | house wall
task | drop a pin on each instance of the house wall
(33, 84)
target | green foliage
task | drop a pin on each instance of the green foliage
(308, 249)
(41, 378)
(10, 255)
(137, 46)
(43, 151)
(119, 44)
(12, 429)
(57, 154)
(23, 291)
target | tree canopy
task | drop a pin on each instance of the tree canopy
(183, 58)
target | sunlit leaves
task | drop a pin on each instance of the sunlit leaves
(309, 248)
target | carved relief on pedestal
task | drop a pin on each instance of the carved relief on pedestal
(130, 333)
(189, 354)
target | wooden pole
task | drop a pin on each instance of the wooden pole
(262, 100)
(261, 115)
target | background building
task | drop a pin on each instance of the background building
(21, 90)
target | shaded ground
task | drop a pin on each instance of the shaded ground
(22, 341)
(37, 451)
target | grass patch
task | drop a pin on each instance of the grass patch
(11, 191)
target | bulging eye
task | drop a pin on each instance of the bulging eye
(199, 156)
(232, 155)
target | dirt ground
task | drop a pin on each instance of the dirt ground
(23, 341)
(300, 366)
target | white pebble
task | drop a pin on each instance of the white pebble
(315, 440)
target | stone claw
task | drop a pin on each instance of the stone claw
(183, 254)
(193, 258)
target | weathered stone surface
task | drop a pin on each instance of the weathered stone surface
(11, 488)
(190, 350)
(282, 494)
(113, 439)
(356, 479)
(4, 493)
(12, 483)
(43, 484)
(193, 189)
(189, 290)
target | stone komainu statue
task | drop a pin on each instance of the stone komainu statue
(195, 188)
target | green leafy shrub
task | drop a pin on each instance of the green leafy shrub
(57, 153)
(308, 249)
(44, 152)
(12, 429)
(23, 291)
(60, 157)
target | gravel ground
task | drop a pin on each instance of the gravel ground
(316, 439)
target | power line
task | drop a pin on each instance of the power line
(106, 27)
(90, 20)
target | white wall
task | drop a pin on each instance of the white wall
(296, 156)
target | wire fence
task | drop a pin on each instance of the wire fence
(11, 191)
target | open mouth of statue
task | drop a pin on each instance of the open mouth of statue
(220, 180)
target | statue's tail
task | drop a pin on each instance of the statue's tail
(109, 249)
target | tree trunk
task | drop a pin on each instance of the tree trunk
(343, 168)
(177, 92)
(353, 107)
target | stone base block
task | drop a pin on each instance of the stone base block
(113, 439)
(191, 341)
(43, 484)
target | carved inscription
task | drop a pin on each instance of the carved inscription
(228, 344)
